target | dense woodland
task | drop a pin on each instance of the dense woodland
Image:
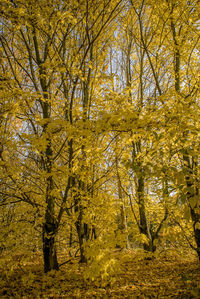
(99, 131)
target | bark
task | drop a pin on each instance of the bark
(83, 236)
(196, 219)
(123, 227)
(84, 231)
(193, 191)
(49, 247)
(93, 234)
(150, 247)
(50, 225)
(81, 227)
(143, 220)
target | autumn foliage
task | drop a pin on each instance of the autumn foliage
(99, 132)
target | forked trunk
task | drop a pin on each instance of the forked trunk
(150, 247)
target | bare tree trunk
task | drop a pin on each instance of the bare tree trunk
(81, 227)
(196, 220)
(50, 225)
(49, 247)
(193, 195)
(143, 226)
(83, 234)
(123, 222)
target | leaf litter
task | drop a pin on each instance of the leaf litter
(167, 275)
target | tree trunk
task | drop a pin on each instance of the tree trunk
(82, 228)
(193, 195)
(83, 236)
(50, 226)
(197, 239)
(143, 226)
(70, 240)
(49, 247)
(123, 227)
(93, 234)
(150, 247)
(196, 221)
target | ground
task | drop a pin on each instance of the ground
(168, 275)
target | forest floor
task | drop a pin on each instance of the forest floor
(168, 275)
